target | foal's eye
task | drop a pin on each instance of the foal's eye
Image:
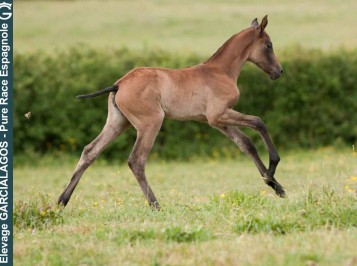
(269, 45)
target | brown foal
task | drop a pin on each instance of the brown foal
(206, 92)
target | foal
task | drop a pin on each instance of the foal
(206, 92)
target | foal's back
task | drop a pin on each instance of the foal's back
(182, 94)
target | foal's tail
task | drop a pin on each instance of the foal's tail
(95, 94)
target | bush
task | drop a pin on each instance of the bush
(313, 104)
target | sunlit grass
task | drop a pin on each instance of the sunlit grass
(214, 212)
(185, 26)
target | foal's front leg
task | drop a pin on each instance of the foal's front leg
(246, 146)
(234, 118)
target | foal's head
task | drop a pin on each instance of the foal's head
(262, 53)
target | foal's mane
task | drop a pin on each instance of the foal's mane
(223, 47)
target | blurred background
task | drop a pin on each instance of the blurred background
(66, 48)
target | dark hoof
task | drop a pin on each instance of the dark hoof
(155, 205)
(62, 200)
(279, 190)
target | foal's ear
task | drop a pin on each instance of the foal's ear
(263, 24)
(255, 23)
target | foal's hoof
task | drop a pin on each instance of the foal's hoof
(62, 200)
(155, 205)
(279, 190)
(271, 181)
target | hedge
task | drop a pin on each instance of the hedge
(313, 104)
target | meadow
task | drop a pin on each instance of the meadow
(180, 25)
(215, 212)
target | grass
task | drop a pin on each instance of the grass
(214, 213)
(180, 25)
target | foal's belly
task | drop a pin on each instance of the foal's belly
(184, 112)
(185, 106)
(197, 117)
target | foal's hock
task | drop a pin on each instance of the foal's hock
(206, 92)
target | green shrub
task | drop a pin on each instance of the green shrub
(313, 104)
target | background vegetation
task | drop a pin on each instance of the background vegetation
(216, 211)
(310, 106)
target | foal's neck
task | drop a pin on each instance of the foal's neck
(232, 55)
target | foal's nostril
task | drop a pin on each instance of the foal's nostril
(281, 71)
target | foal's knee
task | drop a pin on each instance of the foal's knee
(87, 150)
(136, 166)
(259, 125)
(87, 154)
(275, 159)
(132, 163)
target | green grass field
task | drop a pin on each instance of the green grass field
(214, 213)
(180, 25)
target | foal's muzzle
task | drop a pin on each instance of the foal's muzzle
(276, 73)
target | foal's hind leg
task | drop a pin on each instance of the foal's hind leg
(246, 145)
(138, 157)
(116, 124)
